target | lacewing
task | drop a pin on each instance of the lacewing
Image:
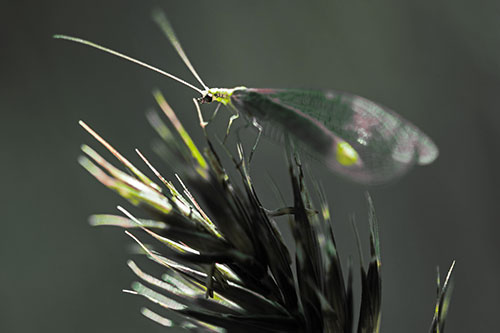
(352, 135)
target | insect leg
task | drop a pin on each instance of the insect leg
(212, 117)
(204, 123)
(239, 129)
(233, 118)
(259, 128)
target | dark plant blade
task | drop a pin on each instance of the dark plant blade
(371, 281)
(225, 264)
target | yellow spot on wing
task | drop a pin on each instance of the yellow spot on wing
(346, 155)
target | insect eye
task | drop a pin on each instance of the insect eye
(208, 98)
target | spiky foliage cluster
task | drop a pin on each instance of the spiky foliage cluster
(226, 266)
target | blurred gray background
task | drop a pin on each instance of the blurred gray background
(436, 63)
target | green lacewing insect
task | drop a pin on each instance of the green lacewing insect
(353, 136)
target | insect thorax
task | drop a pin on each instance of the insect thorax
(221, 95)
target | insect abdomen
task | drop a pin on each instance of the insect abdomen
(259, 104)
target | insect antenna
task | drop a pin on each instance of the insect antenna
(123, 56)
(161, 19)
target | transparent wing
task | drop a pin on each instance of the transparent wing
(385, 144)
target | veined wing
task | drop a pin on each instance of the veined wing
(386, 144)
